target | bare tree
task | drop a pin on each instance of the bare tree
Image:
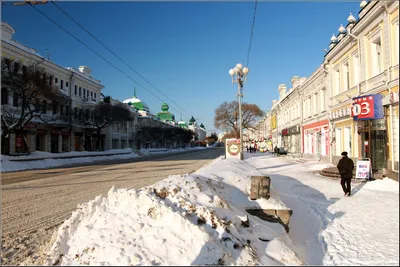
(31, 88)
(103, 115)
(227, 116)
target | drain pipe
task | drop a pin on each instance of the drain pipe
(388, 87)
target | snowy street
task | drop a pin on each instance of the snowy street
(192, 207)
(34, 202)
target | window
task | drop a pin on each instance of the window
(76, 89)
(55, 106)
(396, 41)
(17, 67)
(338, 135)
(337, 81)
(309, 106)
(346, 76)
(4, 96)
(87, 93)
(80, 114)
(24, 69)
(95, 96)
(76, 113)
(91, 94)
(376, 55)
(61, 110)
(44, 106)
(15, 99)
(66, 84)
(66, 110)
(56, 80)
(322, 100)
(37, 105)
(80, 91)
(51, 80)
(315, 104)
(62, 84)
(356, 70)
(84, 92)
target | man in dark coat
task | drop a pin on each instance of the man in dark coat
(345, 167)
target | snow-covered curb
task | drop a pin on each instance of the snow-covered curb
(45, 160)
(191, 219)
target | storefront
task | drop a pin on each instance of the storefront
(316, 139)
(295, 139)
(371, 119)
(65, 142)
(344, 135)
(78, 141)
(285, 139)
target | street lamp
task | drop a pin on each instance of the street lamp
(241, 74)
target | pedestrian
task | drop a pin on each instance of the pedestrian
(247, 148)
(345, 167)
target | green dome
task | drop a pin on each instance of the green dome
(192, 120)
(136, 103)
(165, 115)
(202, 126)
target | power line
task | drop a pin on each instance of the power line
(123, 61)
(251, 35)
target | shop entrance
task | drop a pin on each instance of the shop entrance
(374, 143)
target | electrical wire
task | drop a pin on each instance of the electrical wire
(88, 47)
(123, 61)
(251, 35)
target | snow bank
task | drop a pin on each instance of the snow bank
(191, 219)
(17, 165)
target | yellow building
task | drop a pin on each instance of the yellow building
(363, 67)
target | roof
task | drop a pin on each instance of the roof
(137, 104)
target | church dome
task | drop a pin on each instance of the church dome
(136, 103)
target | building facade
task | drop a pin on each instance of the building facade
(363, 69)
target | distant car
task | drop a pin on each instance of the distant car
(282, 151)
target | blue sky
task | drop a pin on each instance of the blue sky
(186, 49)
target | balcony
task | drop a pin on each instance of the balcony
(89, 100)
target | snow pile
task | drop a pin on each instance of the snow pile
(195, 219)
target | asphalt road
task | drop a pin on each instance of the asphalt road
(35, 202)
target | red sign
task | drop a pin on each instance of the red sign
(285, 131)
(30, 125)
(18, 142)
(363, 108)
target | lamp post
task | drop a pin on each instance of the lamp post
(241, 74)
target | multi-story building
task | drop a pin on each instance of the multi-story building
(56, 135)
(314, 119)
(363, 71)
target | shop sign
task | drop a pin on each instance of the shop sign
(363, 169)
(294, 129)
(367, 107)
(18, 141)
(30, 125)
(285, 132)
(41, 132)
(339, 113)
(394, 97)
(232, 149)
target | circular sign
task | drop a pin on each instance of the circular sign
(233, 148)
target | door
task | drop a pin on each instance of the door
(378, 149)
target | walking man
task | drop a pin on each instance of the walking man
(345, 167)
